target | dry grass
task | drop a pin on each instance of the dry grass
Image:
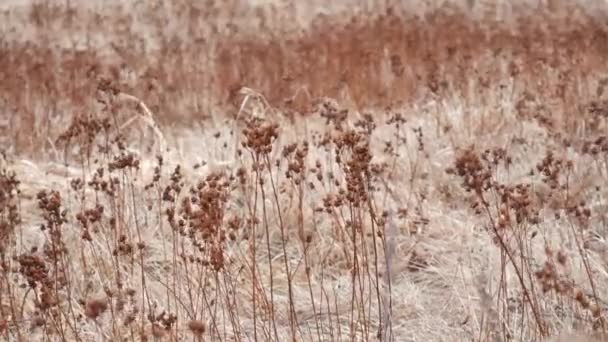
(232, 172)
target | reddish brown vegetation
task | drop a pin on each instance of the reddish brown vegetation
(375, 59)
(371, 225)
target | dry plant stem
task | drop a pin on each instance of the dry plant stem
(65, 267)
(9, 292)
(147, 118)
(214, 318)
(337, 313)
(522, 233)
(14, 310)
(373, 217)
(260, 180)
(583, 254)
(175, 265)
(389, 250)
(58, 322)
(145, 297)
(502, 296)
(233, 310)
(328, 302)
(188, 274)
(505, 248)
(366, 267)
(157, 195)
(305, 246)
(527, 246)
(293, 319)
(253, 251)
(357, 277)
(260, 177)
(585, 259)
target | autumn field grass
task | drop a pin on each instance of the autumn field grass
(275, 170)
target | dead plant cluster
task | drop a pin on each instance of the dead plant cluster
(387, 55)
(380, 175)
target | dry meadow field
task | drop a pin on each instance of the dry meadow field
(270, 170)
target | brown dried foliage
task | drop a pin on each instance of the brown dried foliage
(372, 60)
(221, 240)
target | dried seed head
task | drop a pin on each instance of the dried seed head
(582, 299)
(596, 311)
(157, 330)
(561, 258)
(3, 325)
(95, 307)
(196, 327)
(37, 321)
